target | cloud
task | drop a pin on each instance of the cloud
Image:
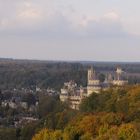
(29, 13)
(56, 30)
(3, 23)
(32, 21)
(108, 25)
(19, 14)
(112, 16)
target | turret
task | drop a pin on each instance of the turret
(119, 73)
(119, 81)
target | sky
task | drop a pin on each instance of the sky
(85, 30)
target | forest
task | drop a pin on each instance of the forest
(111, 114)
(31, 73)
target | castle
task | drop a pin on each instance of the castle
(73, 94)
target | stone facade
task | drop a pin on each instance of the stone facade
(73, 94)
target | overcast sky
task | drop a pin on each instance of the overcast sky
(95, 30)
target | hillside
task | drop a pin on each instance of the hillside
(112, 114)
(44, 74)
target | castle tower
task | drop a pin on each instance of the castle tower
(93, 84)
(90, 74)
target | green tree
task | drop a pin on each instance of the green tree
(8, 134)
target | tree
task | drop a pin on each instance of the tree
(28, 131)
(46, 105)
(8, 134)
(29, 98)
(128, 132)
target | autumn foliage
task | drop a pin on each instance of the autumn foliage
(110, 115)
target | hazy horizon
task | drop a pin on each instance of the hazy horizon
(75, 30)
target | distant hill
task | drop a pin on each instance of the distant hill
(16, 73)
